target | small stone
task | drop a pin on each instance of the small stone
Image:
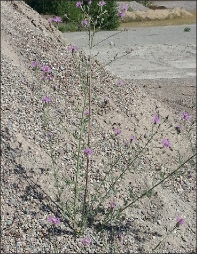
(23, 244)
(159, 222)
(146, 135)
(7, 233)
(9, 222)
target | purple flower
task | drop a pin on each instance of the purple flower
(86, 113)
(86, 241)
(46, 69)
(90, 2)
(53, 220)
(132, 138)
(46, 99)
(50, 134)
(73, 48)
(35, 64)
(121, 14)
(50, 20)
(79, 4)
(117, 131)
(84, 23)
(124, 8)
(178, 128)
(101, 3)
(119, 82)
(156, 119)
(57, 19)
(112, 206)
(129, 50)
(88, 151)
(122, 11)
(180, 221)
(185, 116)
(166, 143)
(106, 100)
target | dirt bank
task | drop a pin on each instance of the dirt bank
(155, 14)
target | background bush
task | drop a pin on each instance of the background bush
(111, 18)
(60, 8)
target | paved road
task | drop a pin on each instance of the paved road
(159, 52)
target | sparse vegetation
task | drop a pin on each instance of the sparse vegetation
(187, 29)
(75, 165)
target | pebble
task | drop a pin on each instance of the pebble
(9, 222)
(18, 244)
(146, 135)
(159, 222)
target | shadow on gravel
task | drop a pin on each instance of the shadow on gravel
(48, 205)
(34, 190)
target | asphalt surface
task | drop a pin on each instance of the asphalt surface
(158, 52)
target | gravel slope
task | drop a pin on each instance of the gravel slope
(134, 5)
(28, 193)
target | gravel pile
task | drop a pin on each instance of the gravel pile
(28, 193)
(134, 5)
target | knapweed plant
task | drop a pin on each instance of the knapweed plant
(102, 204)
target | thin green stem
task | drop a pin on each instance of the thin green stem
(111, 61)
(54, 245)
(148, 191)
(78, 160)
(89, 124)
(86, 188)
(46, 115)
(164, 238)
(55, 172)
(106, 38)
(123, 172)
(89, 87)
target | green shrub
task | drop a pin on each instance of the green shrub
(187, 29)
(70, 27)
(62, 29)
(60, 8)
(130, 9)
(110, 19)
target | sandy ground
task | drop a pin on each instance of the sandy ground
(159, 52)
(28, 191)
(161, 55)
(155, 14)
